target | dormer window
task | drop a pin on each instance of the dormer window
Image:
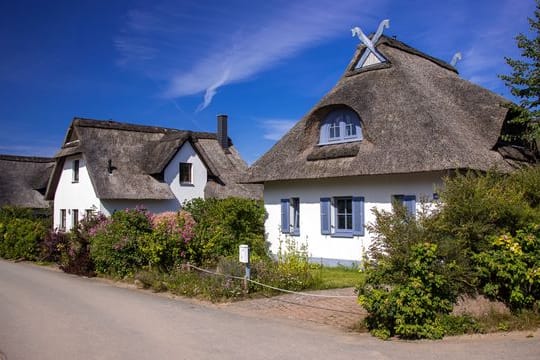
(342, 125)
(75, 171)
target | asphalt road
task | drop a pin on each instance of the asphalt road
(46, 314)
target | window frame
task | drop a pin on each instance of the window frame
(330, 216)
(189, 172)
(63, 219)
(75, 173)
(74, 218)
(408, 201)
(338, 230)
(339, 121)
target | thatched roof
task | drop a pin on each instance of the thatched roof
(138, 156)
(23, 180)
(417, 115)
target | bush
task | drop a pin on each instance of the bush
(411, 308)
(167, 245)
(20, 238)
(114, 242)
(75, 246)
(224, 224)
(509, 269)
(51, 246)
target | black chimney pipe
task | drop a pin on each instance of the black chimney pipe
(222, 136)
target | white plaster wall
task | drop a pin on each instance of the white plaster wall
(199, 174)
(69, 195)
(376, 190)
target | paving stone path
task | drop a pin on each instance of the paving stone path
(343, 313)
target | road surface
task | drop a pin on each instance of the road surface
(46, 314)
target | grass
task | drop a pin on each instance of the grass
(336, 277)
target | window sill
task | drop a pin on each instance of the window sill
(342, 235)
(187, 184)
(339, 141)
(74, 182)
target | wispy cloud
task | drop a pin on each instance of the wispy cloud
(231, 44)
(492, 40)
(274, 129)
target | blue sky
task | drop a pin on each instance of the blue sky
(180, 63)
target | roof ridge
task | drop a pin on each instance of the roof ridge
(26, 158)
(117, 125)
(398, 44)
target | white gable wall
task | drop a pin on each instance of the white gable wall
(74, 195)
(376, 190)
(199, 174)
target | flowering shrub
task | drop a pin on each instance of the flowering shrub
(510, 268)
(166, 246)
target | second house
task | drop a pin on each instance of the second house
(105, 166)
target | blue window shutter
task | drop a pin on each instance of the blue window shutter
(285, 217)
(358, 215)
(410, 203)
(325, 216)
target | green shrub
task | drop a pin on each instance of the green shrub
(20, 238)
(510, 268)
(411, 308)
(476, 206)
(114, 243)
(224, 224)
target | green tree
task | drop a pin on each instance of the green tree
(524, 84)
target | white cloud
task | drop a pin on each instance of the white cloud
(228, 48)
(274, 129)
(490, 42)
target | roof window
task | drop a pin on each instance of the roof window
(342, 125)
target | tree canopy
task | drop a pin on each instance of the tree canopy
(524, 84)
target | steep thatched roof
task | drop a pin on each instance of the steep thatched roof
(138, 155)
(23, 180)
(417, 115)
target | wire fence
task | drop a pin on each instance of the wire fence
(270, 286)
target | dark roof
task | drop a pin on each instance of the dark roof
(139, 155)
(417, 115)
(23, 180)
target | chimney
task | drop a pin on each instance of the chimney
(222, 135)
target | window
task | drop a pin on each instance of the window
(75, 171)
(409, 201)
(290, 216)
(185, 173)
(88, 213)
(342, 125)
(74, 218)
(342, 216)
(63, 219)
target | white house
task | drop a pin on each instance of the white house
(396, 122)
(107, 166)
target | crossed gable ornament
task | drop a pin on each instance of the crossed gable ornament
(369, 43)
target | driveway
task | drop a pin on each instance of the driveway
(46, 314)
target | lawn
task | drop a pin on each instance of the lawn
(336, 277)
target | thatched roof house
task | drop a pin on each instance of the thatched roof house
(392, 127)
(23, 181)
(127, 161)
(416, 115)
